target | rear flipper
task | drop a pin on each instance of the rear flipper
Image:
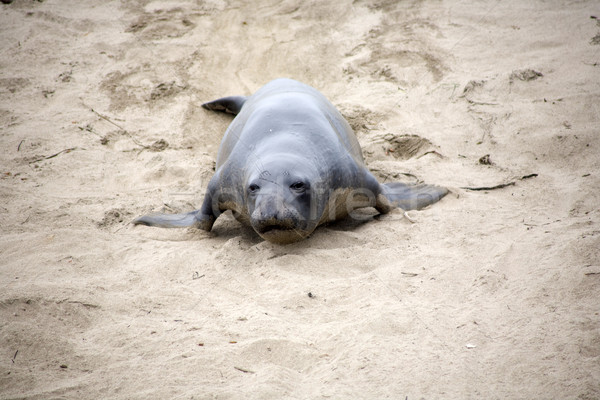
(411, 197)
(230, 105)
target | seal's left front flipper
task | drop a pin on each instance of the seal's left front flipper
(412, 197)
(229, 105)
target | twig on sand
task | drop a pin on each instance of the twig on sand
(244, 370)
(410, 274)
(70, 149)
(529, 176)
(110, 121)
(500, 186)
(104, 117)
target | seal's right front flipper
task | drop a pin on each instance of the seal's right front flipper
(191, 219)
(230, 105)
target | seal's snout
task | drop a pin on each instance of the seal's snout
(277, 222)
(267, 218)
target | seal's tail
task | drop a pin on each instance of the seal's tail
(413, 197)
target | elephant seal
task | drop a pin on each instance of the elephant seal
(289, 162)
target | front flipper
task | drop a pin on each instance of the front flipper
(230, 105)
(196, 219)
(204, 218)
(170, 220)
(410, 197)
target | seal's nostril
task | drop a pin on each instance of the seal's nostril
(269, 228)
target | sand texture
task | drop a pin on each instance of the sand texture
(489, 294)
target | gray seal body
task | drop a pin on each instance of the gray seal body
(289, 162)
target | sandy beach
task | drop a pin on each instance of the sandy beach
(488, 294)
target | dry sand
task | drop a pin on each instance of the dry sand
(490, 294)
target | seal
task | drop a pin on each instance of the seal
(288, 163)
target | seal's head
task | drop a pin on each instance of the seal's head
(282, 199)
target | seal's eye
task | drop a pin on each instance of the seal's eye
(253, 188)
(298, 187)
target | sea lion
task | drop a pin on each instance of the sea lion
(289, 162)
